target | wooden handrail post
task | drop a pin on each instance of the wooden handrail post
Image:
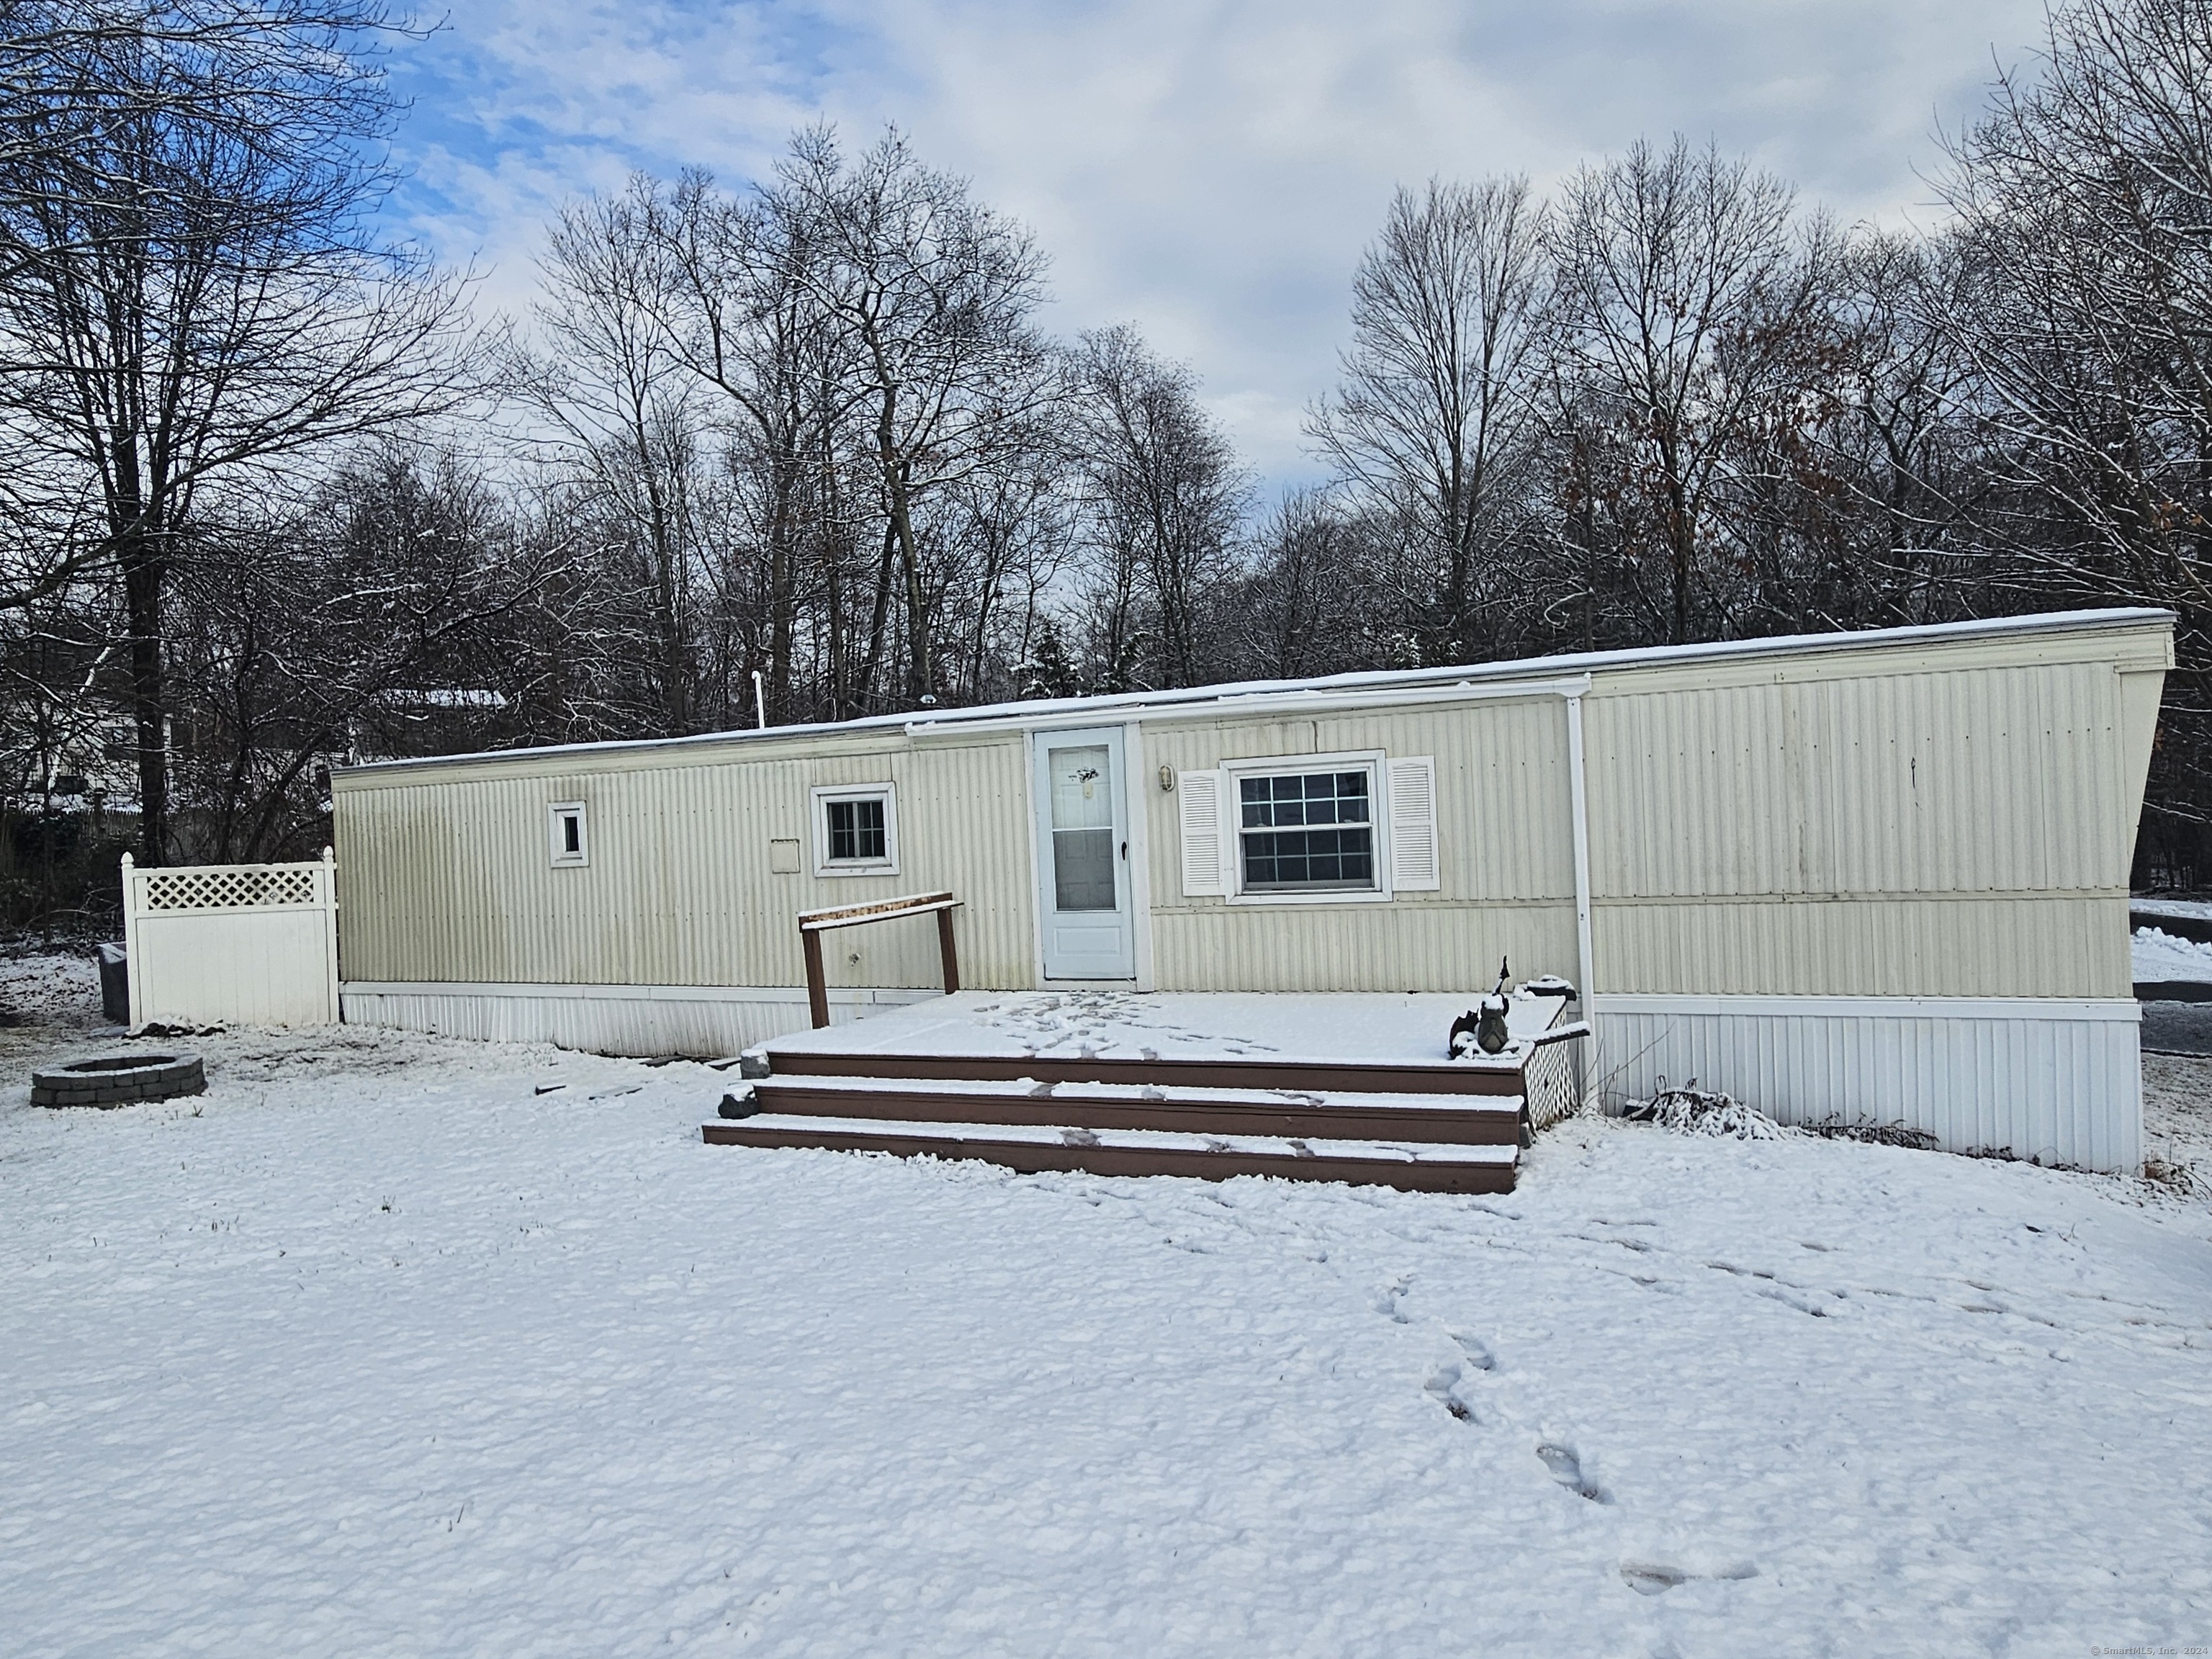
(817, 987)
(812, 924)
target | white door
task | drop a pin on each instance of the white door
(1083, 856)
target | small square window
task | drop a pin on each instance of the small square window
(571, 840)
(856, 830)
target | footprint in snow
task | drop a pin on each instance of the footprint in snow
(1391, 1303)
(1445, 1387)
(1566, 1467)
(1656, 1578)
(1476, 1349)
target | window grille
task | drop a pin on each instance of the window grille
(1307, 831)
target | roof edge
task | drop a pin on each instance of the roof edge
(947, 722)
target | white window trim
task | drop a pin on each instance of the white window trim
(558, 812)
(818, 811)
(1372, 761)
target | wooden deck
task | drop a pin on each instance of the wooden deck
(1352, 1089)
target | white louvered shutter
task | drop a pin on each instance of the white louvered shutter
(1414, 865)
(1205, 855)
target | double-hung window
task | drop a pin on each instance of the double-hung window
(856, 830)
(1306, 828)
(1347, 828)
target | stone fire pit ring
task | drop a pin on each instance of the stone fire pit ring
(118, 1080)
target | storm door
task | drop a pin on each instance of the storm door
(1082, 801)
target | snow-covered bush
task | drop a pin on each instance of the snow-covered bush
(1690, 1110)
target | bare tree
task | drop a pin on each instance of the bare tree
(197, 295)
(935, 293)
(740, 314)
(1680, 290)
(1166, 492)
(626, 409)
(1434, 409)
(2085, 207)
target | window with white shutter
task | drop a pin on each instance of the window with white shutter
(1198, 807)
(1305, 829)
(1415, 865)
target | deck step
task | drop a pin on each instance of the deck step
(1226, 1071)
(1465, 1120)
(1411, 1166)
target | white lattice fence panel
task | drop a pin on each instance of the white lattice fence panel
(254, 943)
(1551, 1083)
(231, 886)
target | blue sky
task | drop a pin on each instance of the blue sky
(1209, 171)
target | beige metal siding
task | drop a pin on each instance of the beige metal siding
(1957, 822)
(1983, 780)
(451, 880)
(1506, 852)
(1964, 833)
(1949, 818)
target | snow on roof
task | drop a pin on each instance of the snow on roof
(1410, 679)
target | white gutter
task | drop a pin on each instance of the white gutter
(1586, 982)
(1261, 702)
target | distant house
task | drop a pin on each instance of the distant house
(1875, 875)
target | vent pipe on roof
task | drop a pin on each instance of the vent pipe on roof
(760, 701)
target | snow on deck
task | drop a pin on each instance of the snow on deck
(375, 1349)
(1356, 1027)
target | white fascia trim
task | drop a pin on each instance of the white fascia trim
(726, 993)
(2124, 1011)
(1243, 705)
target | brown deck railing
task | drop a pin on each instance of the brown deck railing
(812, 924)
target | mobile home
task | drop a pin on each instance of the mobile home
(1880, 875)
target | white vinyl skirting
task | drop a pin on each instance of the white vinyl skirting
(2056, 1081)
(702, 1021)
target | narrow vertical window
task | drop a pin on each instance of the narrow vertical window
(571, 844)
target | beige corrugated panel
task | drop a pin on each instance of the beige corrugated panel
(1890, 784)
(452, 880)
(2030, 945)
(1505, 843)
(1860, 818)
(1951, 819)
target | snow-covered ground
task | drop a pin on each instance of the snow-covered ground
(376, 1349)
(2160, 955)
(50, 989)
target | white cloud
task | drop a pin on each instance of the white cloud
(1208, 172)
